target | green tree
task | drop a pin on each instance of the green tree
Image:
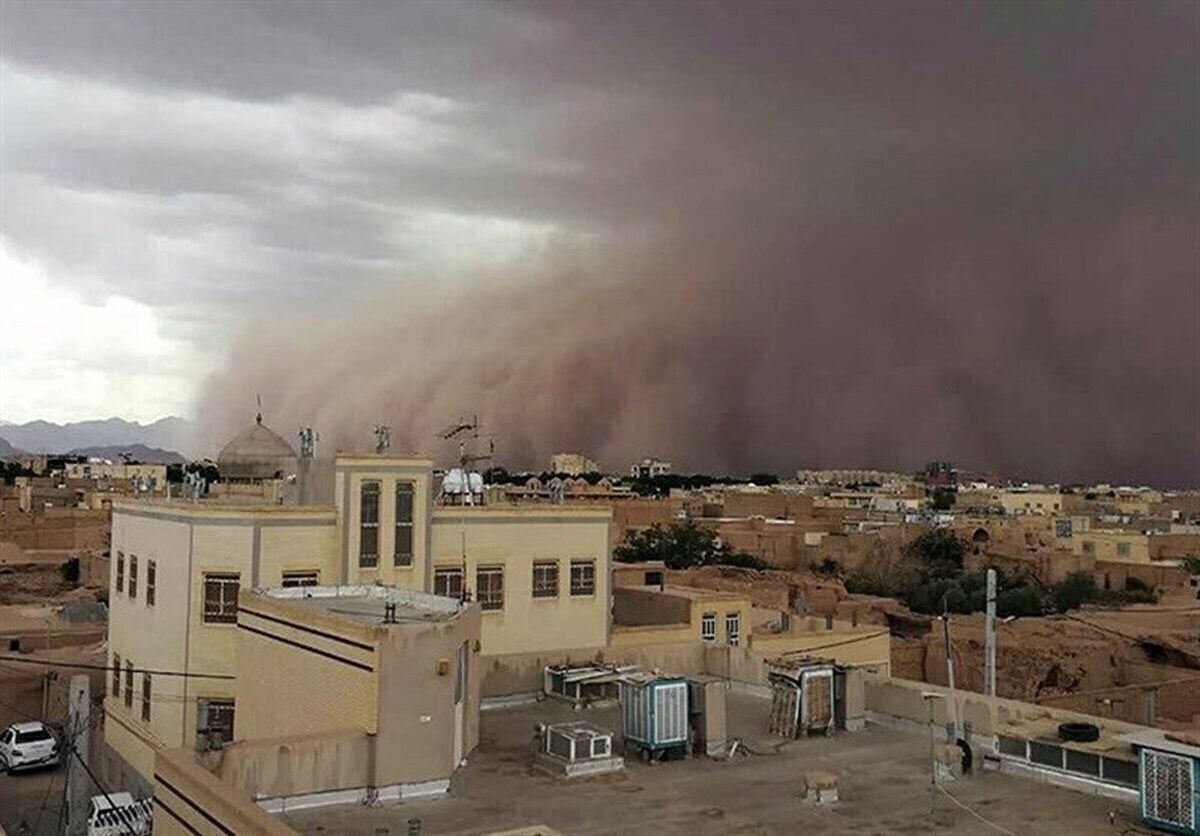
(1077, 589)
(1191, 565)
(764, 478)
(943, 499)
(938, 554)
(1019, 601)
(681, 546)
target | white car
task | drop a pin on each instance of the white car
(27, 745)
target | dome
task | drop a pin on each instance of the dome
(256, 453)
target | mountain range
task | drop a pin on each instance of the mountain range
(108, 438)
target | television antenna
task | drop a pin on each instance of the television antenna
(308, 442)
(383, 438)
(466, 431)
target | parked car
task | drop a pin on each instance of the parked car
(120, 814)
(27, 745)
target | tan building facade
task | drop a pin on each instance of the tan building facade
(540, 574)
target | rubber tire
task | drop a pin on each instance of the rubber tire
(1079, 732)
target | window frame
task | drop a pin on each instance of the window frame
(545, 588)
(221, 580)
(147, 688)
(404, 529)
(708, 627)
(733, 637)
(121, 572)
(587, 567)
(133, 573)
(490, 599)
(442, 572)
(301, 575)
(128, 684)
(373, 488)
(116, 674)
(151, 582)
(212, 706)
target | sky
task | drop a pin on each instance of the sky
(741, 236)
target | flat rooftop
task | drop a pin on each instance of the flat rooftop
(369, 603)
(883, 775)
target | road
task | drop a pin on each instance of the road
(30, 801)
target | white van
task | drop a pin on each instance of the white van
(117, 813)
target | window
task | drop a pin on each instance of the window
(220, 598)
(708, 626)
(1089, 547)
(368, 525)
(300, 577)
(128, 684)
(1122, 550)
(146, 698)
(489, 586)
(545, 579)
(448, 582)
(133, 576)
(403, 555)
(733, 628)
(214, 718)
(116, 675)
(583, 577)
(151, 572)
(120, 571)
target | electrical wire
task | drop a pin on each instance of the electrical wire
(100, 786)
(986, 821)
(84, 666)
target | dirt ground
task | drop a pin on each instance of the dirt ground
(883, 774)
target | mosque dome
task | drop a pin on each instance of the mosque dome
(257, 452)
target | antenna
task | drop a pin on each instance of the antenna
(258, 417)
(465, 430)
(308, 442)
(383, 438)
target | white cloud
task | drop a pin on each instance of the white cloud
(64, 359)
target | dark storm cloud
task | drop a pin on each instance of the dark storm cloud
(783, 234)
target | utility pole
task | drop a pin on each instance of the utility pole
(954, 718)
(77, 733)
(989, 662)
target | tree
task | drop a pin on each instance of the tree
(1077, 589)
(1191, 565)
(764, 478)
(938, 554)
(681, 546)
(943, 499)
(1018, 601)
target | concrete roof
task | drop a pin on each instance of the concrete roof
(368, 603)
(1159, 739)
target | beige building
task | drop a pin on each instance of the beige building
(382, 704)
(1112, 544)
(539, 574)
(572, 464)
(119, 471)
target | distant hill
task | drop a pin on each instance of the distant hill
(138, 452)
(166, 434)
(7, 449)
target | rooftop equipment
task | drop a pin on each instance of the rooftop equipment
(575, 749)
(585, 683)
(802, 699)
(654, 715)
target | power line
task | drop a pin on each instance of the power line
(96, 781)
(83, 666)
(988, 822)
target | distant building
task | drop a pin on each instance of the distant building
(842, 478)
(572, 464)
(649, 468)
